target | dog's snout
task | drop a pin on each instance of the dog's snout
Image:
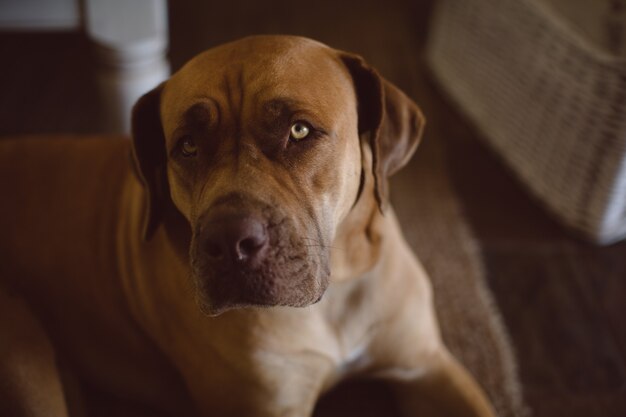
(247, 252)
(236, 239)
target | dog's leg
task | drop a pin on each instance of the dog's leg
(29, 379)
(427, 379)
(445, 389)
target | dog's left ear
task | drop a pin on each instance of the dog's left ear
(393, 122)
(150, 156)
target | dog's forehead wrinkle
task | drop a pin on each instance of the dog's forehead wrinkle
(232, 87)
(277, 107)
(275, 81)
(203, 115)
(284, 105)
(198, 112)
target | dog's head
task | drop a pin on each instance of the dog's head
(264, 145)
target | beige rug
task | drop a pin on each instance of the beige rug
(471, 324)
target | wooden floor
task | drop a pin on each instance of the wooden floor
(564, 301)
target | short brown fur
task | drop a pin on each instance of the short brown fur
(112, 274)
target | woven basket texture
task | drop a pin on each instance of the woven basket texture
(545, 82)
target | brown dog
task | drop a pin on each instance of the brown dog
(252, 267)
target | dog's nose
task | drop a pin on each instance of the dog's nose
(236, 239)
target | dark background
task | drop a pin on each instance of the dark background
(562, 299)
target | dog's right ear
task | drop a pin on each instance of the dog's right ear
(150, 157)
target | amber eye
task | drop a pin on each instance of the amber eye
(299, 131)
(188, 147)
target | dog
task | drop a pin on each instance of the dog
(238, 257)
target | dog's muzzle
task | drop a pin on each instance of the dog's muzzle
(247, 253)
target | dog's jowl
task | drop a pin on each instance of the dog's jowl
(237, 257)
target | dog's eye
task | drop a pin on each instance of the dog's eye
(188, 147)
(299, 131)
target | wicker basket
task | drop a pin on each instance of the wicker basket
(545, 81)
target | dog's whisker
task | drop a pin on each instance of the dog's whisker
(323, 247)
